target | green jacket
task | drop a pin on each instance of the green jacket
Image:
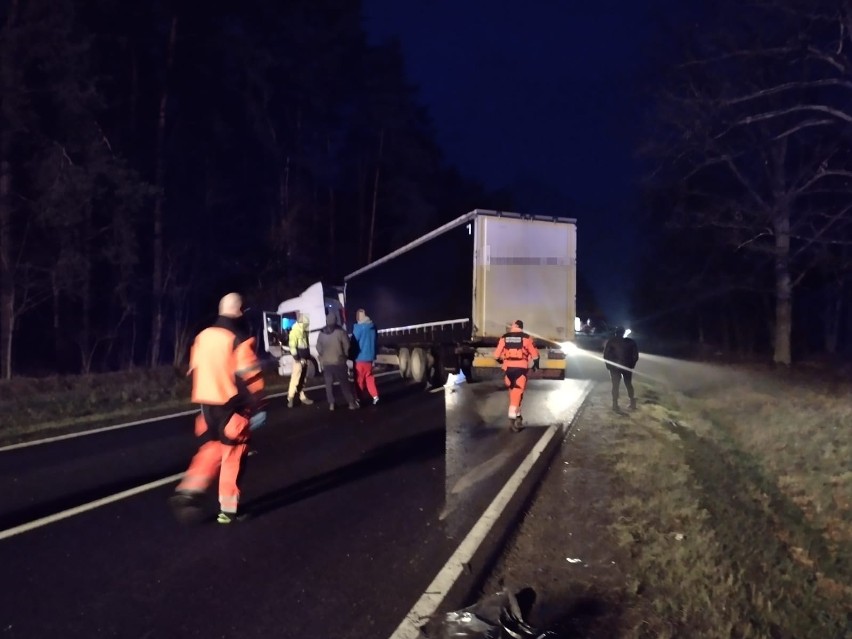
(299, 339)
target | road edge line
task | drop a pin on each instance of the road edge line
(460, 561)
(139, 422)
(65, 514)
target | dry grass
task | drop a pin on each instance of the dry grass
(722, 510)
(736, 511)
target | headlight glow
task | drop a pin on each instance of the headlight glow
(569, 348)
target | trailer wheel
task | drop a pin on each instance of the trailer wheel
(418, 365)
(404, 363)
(441, 362)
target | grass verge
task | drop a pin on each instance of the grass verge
(39, 407)
(723, 513)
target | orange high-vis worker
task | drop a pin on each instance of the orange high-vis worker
(516, 351)
(227, 382)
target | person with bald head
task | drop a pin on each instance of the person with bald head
(227, 383)
(231, 305)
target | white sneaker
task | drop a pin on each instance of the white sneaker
(375, 401)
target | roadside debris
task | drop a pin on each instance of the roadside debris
(454, 379)
(495, 616)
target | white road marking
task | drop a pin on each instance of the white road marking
(434, 595)
(65, 514)
(104, 429)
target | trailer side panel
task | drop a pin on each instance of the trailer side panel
(427, 289)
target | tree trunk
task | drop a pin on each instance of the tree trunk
(87, 346)
(284, 220)
(833, 317)
(7, 275)
(159, 182)
(362, 210)
(332, 234)
(57, 323)
(783, 289)
(371, 237)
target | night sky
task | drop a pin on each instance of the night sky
(541, 98)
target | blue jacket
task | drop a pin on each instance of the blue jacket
(365, 334)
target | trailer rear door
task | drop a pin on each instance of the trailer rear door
(525, 269)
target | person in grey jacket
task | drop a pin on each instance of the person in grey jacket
(333, 350)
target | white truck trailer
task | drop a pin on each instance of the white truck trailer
(441, 302)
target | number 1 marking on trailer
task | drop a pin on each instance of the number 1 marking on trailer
(469, 229)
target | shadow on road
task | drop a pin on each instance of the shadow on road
(419, 447)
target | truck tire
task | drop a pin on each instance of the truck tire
(418, 365)
(404, 363)
(441, 363)
(313, 369)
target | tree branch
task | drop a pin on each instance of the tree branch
(769, 115)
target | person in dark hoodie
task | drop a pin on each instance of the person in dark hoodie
(333, 350)
(620, 357)
(365, 335)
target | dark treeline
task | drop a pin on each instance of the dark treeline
(154, 155)
(750, 145)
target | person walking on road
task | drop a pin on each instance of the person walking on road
(516, 352)
(333, 349)
(301, 353)
(365, 333)
(620, 356)
(227, 382)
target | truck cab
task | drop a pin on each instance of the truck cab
(316, 302)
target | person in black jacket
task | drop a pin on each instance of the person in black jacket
(620, 356)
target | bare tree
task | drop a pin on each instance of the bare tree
(8, 82)
(159, 181)
(755, 133)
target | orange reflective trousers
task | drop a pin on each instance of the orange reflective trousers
(516, 382)
(217, 457)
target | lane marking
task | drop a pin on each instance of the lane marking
(104, 429)
(435, 593)
(65, 514)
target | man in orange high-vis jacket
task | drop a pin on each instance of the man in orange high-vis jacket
(227, 382)
(515, 351)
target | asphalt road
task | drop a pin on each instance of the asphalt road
(352, 513)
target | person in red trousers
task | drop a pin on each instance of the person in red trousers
(227, 382)
(365, 334)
